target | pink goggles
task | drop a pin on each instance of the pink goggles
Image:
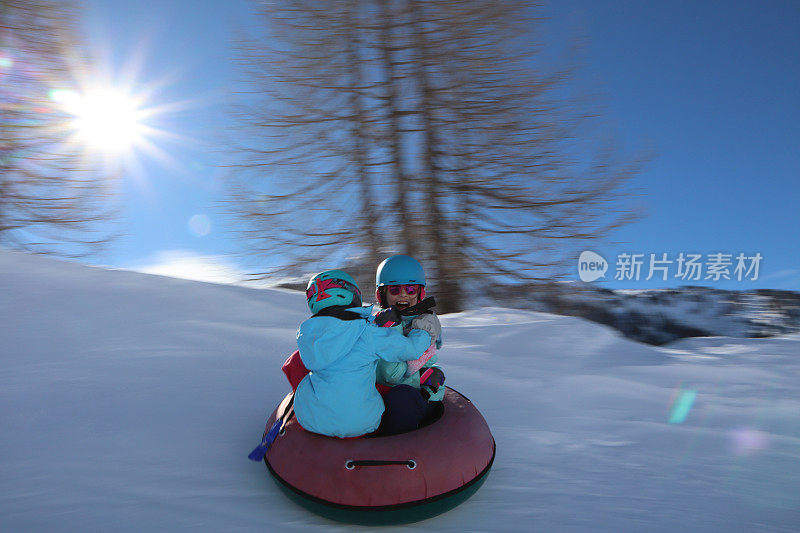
(410, 290)
(321, 285)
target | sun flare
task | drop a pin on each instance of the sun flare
(105, 119)
(108, 120)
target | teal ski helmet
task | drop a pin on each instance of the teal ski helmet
(399, 270)
(332, 288)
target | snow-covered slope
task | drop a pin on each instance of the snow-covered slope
(129, 402)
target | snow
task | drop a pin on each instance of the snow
(129, 402)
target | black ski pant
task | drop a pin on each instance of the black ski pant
(405, 410)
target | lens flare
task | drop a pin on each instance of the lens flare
(682, 404)
(200, 225)
(64, 97)
(748, 441)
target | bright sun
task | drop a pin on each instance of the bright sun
(108, 120)
(105, 120)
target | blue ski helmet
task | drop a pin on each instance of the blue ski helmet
(399, 270)
(330, 288)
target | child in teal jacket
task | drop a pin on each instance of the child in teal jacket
(400, 284)
(341, 348)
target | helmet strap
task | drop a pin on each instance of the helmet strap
(340, 312)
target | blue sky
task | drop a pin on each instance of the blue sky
(711, 88)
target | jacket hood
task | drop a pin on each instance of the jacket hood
(323, 340)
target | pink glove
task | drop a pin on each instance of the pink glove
(415, 365)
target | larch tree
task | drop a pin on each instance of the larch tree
(421, 127)
(52, 198)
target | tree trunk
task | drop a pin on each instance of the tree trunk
(403, 185)
(448, 296)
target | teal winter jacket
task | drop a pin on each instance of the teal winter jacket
(394, 373)
(338, 396)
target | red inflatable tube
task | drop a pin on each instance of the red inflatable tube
(398, 472)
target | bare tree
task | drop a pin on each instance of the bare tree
(475, 157)
(511, 188)
(51, 198)
(304, 178)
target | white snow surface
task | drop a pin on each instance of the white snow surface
(129, 402)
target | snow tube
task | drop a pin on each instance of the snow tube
(385, 480)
